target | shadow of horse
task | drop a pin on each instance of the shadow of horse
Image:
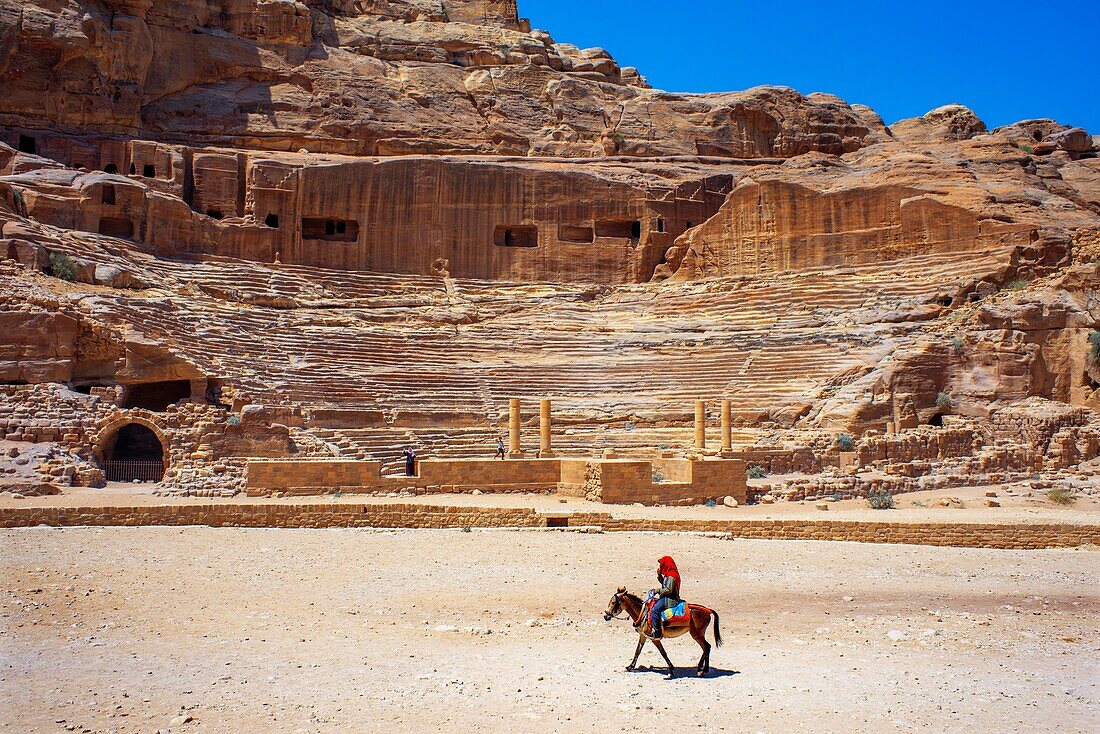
(712, 673)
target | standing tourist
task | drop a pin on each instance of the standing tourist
(410, 462)
(500, 448)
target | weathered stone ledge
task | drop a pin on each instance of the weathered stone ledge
(1015, 536)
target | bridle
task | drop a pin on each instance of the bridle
(618, 606)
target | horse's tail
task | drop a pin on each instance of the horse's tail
(717, 630)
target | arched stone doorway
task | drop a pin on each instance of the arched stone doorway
(132, 450)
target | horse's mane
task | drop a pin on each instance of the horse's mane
(634, 597)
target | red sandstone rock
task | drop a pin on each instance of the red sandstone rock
(376, 221)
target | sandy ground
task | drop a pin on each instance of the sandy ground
(230, 630)
(1019, 504)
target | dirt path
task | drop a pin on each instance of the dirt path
(121, 629)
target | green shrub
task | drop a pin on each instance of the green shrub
(944, 401)
(234, 420)
(757, 472)
(1094, 340)
(957, 342)
(1062, 496)
(1017, 285)
(1026, 148)
(844, 442)
(658, 476)
(881, 500)
(61, 266)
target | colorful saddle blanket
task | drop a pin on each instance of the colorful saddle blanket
(675, 615)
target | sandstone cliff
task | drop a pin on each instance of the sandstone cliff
(267, 227)
(371, 78)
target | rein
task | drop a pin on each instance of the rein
(622, 613)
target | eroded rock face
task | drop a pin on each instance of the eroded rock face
(943, 124)
(373, 78)
(327, 228)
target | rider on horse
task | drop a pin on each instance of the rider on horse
(668, 595)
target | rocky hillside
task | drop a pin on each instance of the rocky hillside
(267, 227)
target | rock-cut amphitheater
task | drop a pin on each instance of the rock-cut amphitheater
(263, 246)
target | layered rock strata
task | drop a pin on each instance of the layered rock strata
(265, 228)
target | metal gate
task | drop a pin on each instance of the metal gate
(129, 471)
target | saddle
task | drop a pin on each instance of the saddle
(675, 616)
(671, 617)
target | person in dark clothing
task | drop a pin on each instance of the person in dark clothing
(500, 448)
(410, 462)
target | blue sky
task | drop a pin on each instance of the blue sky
(1006, 60)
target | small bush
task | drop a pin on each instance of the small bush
(881, 501)
(1016, 285)
(957, 342)
(844, 442)
(757, 472)
(1094, 340)
(61, 266)
(234, 420)
(658, 476)
(944, 401)
(1062, 496)
(1026, 148)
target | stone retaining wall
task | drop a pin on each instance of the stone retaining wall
(618, 481)
(1008, 536)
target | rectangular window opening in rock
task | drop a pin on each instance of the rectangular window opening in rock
(272, 221)
(575, 233)
(110, 168)
(334, 230)
(149, 171)
(27, 144)
(109, 194)
(116, 227)
(660, 225)
(626, 229)
(157, 396)
(516, 235)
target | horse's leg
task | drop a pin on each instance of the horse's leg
(698, 633)
(637, 652)
(671, 668)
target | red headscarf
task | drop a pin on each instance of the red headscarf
(667, 567)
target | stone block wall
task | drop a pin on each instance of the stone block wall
(606, 480)
(801, 459)
(489, 473)
(920, 444)
(312, 477)
(621, 481)
(1035, 422)
(1016, 536)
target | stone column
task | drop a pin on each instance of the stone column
(700, 424)
(545, 449)
(514, 449)
(727, 429)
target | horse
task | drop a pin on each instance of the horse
(698, 619)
